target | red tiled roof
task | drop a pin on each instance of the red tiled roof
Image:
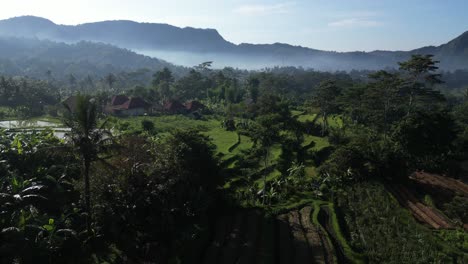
(194, 105)
(129, 103)
(119, 100)
(135, 102)
(71, 102)
(173, 105)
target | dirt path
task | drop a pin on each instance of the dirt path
(302, 251)
(324, 219)
(317, 247)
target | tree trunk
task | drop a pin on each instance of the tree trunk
(324, 118)
(264, 174)
(87, 195)
(410, 104)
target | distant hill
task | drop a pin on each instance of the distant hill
(125, 34)
(190, 46)
(33, 58)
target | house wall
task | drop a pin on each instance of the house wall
(133, 112)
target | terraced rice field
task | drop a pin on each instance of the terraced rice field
(248, 236)
(446, 183)
(423, 213)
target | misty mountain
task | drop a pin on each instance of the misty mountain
(189, 46)
(33, 58)
(125, 34)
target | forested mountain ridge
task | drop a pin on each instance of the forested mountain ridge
(37, 58)
(124, 33)
(189, 46)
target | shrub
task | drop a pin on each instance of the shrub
(147, 125)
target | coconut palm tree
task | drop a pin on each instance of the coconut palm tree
(88, 139)
(110, 80)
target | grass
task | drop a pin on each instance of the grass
(165, 123)
(319, 142)
(271, 176)
(315, 144)
(221, 138)
(349, 252)
(310, 171)
(246, 143)
(333, 121)
(428, 200)
(315, 221)
(6, 113)
(296, 113)
(275, 153)
(294, 202)
(227, 143)
(306, 117)
(394, 233)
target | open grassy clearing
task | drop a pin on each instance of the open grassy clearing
(164, 123)
(311, 143)
(332, 121)
(8, 113)
(316, 142)
(227, 143)
(223, 139)
(306, 117)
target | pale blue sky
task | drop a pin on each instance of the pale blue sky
(340, 25)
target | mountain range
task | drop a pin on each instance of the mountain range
(190, 46)
(34, 58)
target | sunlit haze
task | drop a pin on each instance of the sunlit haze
(361, 25)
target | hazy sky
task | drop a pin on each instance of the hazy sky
(340, 25)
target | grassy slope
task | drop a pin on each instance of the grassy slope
(222, 139)
(386, 231)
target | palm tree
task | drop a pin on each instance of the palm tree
(88, 140)
(110, 80)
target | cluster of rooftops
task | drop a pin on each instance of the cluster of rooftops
(133, 106)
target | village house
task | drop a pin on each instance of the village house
(71, 103)
(194, 106)
(122, 105)
(174, 107)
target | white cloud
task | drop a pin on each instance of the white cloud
(356, 14)
(355, 22)
(281, 8)
(354, 19)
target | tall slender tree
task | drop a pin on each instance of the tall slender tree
(89, 141)
(325, 99)
(110, 80)
(421, 76)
